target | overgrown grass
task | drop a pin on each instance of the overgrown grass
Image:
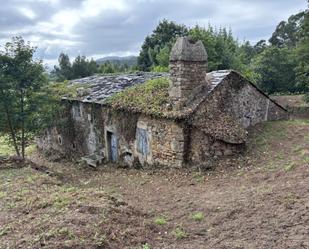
(271, 144)
(65, 89)
(25, 191)
(150, 97)
(6, 148)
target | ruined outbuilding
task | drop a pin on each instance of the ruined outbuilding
(193, 117)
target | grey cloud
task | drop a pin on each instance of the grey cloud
(123, 31)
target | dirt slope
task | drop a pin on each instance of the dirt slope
(260, 200)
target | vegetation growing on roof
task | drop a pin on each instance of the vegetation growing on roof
(64, 89)
(150, 97)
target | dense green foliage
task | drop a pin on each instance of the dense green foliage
(114, 67)
(280, 65)
(302, 54)
(81, 67)
(156, 47)
(21, 79)
(275, 70)
(150, 97)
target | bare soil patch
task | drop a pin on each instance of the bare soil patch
(258, 200)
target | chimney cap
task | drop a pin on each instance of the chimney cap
(186, 49)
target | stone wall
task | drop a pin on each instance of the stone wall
(203, 146)
(166, 141)
(247, 104)
(238, 99)
(220, 121)
(86, 132)
(79, 132)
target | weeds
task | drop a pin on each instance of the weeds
(180, 233)
(289, 166)
(146, 246)
(198, 216)
(66, 232)
(61, 202)
(160, 221)
(4, 231)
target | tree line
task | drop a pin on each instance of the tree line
(279, 65)
(83, 67)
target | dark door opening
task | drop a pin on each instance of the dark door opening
(112, 144)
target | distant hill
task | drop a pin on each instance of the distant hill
(119, 60)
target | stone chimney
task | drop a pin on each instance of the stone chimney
(188, 64)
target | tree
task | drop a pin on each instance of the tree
(107, 67)
(64, 71)
(165, 33)
(287, 33)
(81, 67)
(260, 46)
(220, 45)
(21, 78)
(302, 53)
(275, 67)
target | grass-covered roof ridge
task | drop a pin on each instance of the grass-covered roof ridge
(150, 97)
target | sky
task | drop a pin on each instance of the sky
(98, 28)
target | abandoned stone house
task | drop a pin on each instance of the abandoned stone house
(202, 115)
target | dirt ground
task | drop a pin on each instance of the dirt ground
(290, 100)
(257, 200)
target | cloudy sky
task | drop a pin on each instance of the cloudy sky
(97, 28)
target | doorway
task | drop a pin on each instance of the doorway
(112, 146)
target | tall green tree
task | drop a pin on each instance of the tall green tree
(64, 70)
(302, 53)
(288, 33)
(224, 51)
(164, 35)
(81, 67)
(21, 78)
(275, 67)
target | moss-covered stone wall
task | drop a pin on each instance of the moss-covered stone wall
(86, 132)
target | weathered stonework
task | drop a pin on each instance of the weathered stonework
(166, 141)
(209, 117)
(203, 146)
(188, 66)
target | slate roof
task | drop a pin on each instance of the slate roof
(96, 88)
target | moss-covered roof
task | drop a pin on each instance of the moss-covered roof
(97, 88)
(149, 98)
